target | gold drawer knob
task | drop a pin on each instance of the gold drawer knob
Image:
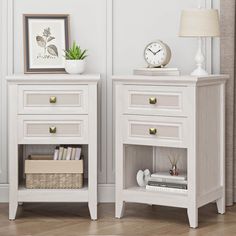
(52, 129)
(153, 131)
(53, 99)
(152, 100)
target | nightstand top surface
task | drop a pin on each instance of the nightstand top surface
(53, 77)
(184, 79)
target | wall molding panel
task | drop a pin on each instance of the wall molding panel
(116, 48)
(6, 68)
(110, 171)
(4, 193)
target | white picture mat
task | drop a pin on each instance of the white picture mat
(36, 28)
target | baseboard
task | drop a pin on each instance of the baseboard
(3, 193)
(106, 193)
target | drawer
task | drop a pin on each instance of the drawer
(53, 99)
(155, 131)
(156, 100)
(53, 129)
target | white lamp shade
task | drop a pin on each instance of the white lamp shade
(199, 23)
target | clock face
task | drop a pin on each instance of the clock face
(155, 54)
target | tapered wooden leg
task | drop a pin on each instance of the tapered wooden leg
(221, 205)
(93, 211)
(12, 210)
(193, 217)
(92, 153)
(120, 207)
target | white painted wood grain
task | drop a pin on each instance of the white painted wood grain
(199, 143)
(162, 162)
(12, 152)
(171, 131)
(53, 195)
(92, 151)
(34, 129)
(169, 100)
(136, 158)
(35, 99)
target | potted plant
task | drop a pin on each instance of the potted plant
(75, 59)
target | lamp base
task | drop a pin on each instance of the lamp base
(199, 58)
(199, 72)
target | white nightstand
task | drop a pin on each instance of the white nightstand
(188, 116)
(37, 102)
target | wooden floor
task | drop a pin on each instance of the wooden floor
(73, 219)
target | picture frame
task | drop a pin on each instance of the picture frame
(46, 37)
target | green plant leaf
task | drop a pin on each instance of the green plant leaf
(75, 53)
(83, 54)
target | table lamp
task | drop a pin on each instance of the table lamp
(199, 23)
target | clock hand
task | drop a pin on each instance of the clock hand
(151, 51)
(157, 51)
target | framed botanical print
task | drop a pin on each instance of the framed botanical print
(46, 37)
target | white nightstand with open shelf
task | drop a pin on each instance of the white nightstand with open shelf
(188, 116)
(36, 103)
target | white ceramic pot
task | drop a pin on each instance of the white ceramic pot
(75, 66)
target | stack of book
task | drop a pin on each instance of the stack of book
(163, 181)
(67, 153)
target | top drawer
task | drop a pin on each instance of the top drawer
(156, 100)
(53, 99)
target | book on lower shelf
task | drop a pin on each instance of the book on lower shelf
(165, 176)
(162, 189)
(67, 153)
(167, 185)
(166, 182)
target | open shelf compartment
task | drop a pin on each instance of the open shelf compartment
(156, 160)
(47, 195)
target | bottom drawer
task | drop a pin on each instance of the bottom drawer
(155, 130)
(53, 129)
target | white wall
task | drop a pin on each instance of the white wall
(87, 27)
(138, 22)
(115, 32)
(147, 21)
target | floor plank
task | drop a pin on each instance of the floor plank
(73, 219)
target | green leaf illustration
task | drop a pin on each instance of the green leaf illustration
(52, 50)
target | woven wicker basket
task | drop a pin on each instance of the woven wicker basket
(54, 181)
(49, 174)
